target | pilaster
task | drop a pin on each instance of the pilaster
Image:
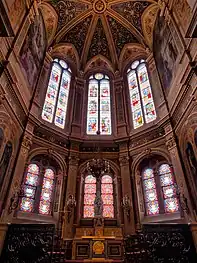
(129, 221)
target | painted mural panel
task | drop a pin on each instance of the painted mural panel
(33, 50)
(183, 13)
(165, 51)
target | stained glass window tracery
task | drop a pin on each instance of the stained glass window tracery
(161, 185)
(141, 99)
(91, 186)
(99, 105)
(56, 100)
(33, 179)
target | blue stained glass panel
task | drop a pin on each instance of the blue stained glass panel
(44, 207)
(171, 205)
(149, 184)
(169, 191)
(29, 191)
(148, 173)
(166, 180)
(27, 204)
(150, 195)
(164, 169)
(152, 208)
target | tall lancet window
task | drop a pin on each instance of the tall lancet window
(56, 100)
(159, 190)
(141, 98)
(101, 189)
(99, 105)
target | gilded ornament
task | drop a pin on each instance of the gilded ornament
(99, 6)
(98, 247)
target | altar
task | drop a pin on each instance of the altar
(99, 244)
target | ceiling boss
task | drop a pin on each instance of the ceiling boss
(99, 6)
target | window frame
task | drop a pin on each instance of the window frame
(139, 88)
(68, 71)
(38, 189)
(108, 78)
(113, 194)
(159, 189)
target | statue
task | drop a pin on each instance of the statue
(98, 205)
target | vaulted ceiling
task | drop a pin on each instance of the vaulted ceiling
(102, 29)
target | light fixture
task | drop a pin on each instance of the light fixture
(98, 167)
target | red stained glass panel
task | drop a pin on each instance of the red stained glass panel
(33, 168)
(106, 188)
(90, 179)
(89, 199)
(90, 188)
(107, 199)
(108, 211)
(106, 179)
(47, 183)
(31, 179)
(88, 211)
(164, 169)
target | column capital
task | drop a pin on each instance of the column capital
(74, 160)
(124, 160)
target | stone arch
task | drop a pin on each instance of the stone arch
(150, 152)
(45, 151)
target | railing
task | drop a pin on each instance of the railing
(30, 243)
(160, 244)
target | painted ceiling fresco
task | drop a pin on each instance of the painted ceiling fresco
(103, 28)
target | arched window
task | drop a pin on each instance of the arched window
(99, 105)
(141, 98)
(56, 100)
(38, 190)
(159, 191)
(102, 187)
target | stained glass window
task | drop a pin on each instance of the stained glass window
(30, 186)
(161, 186)
(33, 179)
(46, 194)
(56, 100)
(168, 189)
(89, 196)
(91, 186)
(150, 193)
(107, 196)
(99, 105)
(141, 99)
